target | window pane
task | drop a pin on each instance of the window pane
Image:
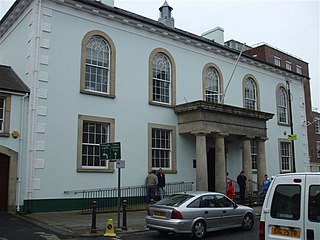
(314, 203)
(212, 85)
(286, 202)
(250, 94)
(161, 148)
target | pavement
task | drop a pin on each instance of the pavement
(77, 224)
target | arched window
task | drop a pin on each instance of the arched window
(212, 81)
(250, 92)
(282, 105)
(98, 64)
(161, 78)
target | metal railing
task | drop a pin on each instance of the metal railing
(136, 196)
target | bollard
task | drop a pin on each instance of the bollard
(94, 217)
(124, 219)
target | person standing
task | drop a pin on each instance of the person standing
(161, 183)
(230, 190)
(265, 185)
(152, 183)
(241, 180)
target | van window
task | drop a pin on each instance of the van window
(286, 202)
(314, 203)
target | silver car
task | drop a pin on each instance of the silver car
(196, 213)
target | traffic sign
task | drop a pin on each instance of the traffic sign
(110, 151)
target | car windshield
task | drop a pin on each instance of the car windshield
(174, 200)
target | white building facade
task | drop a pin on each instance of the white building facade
(100, 74)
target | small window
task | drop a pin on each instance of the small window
(254, 154)
(314, 203)
(318, 150)
(286, 202)
(92, 132)
(317, 125)
(288, 65)
(5, 108)
(285, 156)
(212, 82)
(162, 147)
(277, 61)
(2, 113)
(299, 69)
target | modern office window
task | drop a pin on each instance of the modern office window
(250, 94)
(254, 154)
(212, 82)
(299, 69)
(92, 131)
(277, 61)
(317, 125)
(161, 78)
(282, 105)
(285, 156)
(98, 65)
(5, 108)
(288, 65)
(162, 147)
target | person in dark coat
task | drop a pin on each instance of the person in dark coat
(161, 183)
(241, 180)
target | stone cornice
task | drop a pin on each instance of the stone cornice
(149, 25)
(222, 108)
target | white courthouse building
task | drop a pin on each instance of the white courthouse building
(96, 74)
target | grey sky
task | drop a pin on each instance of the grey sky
(292, 26)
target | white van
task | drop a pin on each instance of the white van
(291, 209)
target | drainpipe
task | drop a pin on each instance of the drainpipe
(33, 116)
(20, 152)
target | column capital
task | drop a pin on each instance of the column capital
(262, 139)
(200, 133)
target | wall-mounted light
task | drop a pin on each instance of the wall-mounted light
(15, 134)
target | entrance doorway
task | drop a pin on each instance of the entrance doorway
(211, 169)
(4, 181)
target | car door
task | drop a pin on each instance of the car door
(230, 216)
(210, 211)
(312, 209)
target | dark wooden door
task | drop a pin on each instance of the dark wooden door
(4, 180)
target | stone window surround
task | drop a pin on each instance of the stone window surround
(112, 70)
(257, 90)
(221, 83)
(173, 78)
(111, 123)
(6, 118)
(173, 146)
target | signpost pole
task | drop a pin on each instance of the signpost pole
(119, 196)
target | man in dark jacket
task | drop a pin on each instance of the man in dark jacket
(161, 183)
(241, 180)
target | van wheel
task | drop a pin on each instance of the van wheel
(247, 222)
(199, 230)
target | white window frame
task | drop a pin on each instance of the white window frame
(277, 61)
(288, 65)
(2, 113)
(285, 153)
(166, 154)
(254, 154)
(212, 81)
(250, 94)
(299, 69)
(94, 143)
(282, 105)
(161, 68)
(317, 125)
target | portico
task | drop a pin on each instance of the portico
(207, 121)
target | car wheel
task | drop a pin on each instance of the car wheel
(247, 222)
(199, 230)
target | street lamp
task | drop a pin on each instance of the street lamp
(291, 126)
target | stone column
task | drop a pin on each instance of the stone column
(261, 160)
(220, 165)
(247, 164)
(202, 174)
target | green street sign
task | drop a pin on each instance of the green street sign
(110, 151)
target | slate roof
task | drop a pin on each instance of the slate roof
(10, 81)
